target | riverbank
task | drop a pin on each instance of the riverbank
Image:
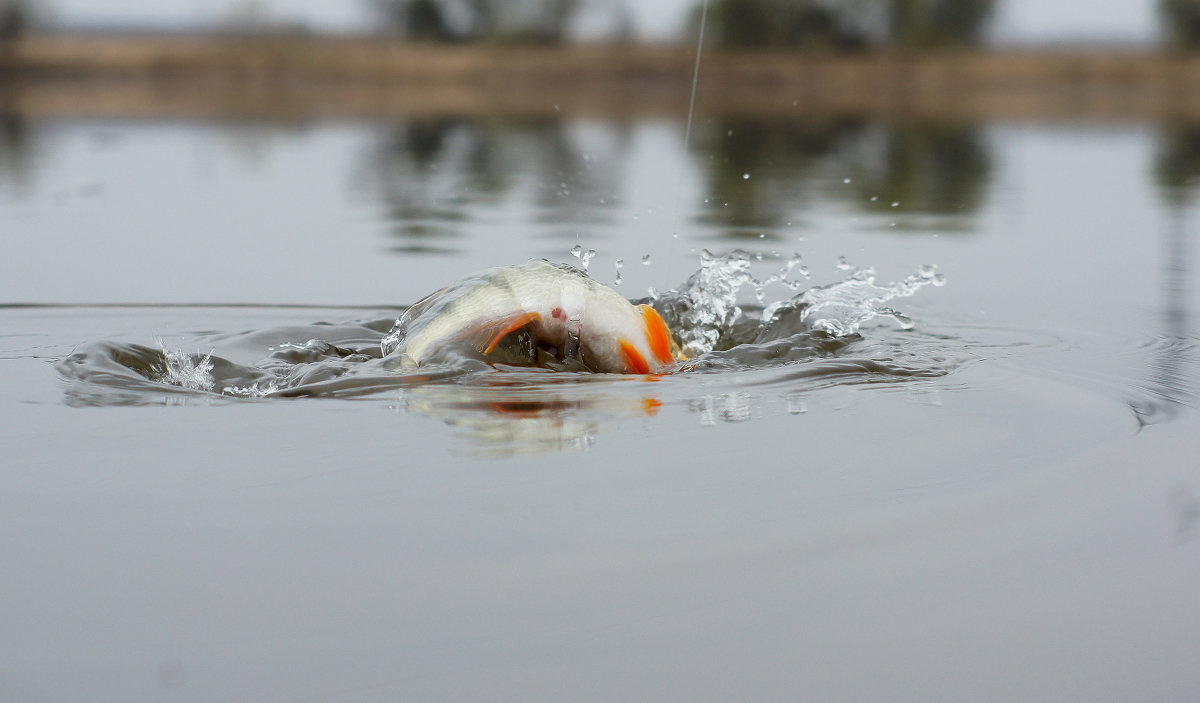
(301, 77)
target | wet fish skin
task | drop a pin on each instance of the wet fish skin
(558, 304)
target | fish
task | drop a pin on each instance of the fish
(560, 306)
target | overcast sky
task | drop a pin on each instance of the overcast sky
(1020, 21)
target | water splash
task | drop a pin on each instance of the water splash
(190, 371)
(839, 309)
(720, 315)
(585, 257)
(705, 307)
(705, 312)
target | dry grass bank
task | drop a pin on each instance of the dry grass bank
(312, 78)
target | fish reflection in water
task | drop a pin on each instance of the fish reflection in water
(500, 419)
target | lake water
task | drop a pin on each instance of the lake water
(202, 503)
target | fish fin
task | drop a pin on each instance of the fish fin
(486, 337)
(658, 334)
(634, 361)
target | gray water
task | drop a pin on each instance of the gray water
(1000, 501)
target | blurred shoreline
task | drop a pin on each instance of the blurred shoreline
(307, 77)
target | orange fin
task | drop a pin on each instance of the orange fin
(486, 338)
(658, 334)
(634, 361)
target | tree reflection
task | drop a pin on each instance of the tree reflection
(15, 147)
(1177, 174)
(1177, 166)
(744, 159)
(921, 168)
(418, 168)
(759, 172)
(433, 175)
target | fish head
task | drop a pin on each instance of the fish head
(632, 339)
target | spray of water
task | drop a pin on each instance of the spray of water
(706, 315)
(190, 371)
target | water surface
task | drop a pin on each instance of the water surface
(1001, 497)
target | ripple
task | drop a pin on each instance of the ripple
(754, 356)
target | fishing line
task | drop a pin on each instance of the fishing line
(687, 131)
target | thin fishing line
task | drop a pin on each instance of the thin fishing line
(687, 131)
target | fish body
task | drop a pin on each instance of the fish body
(560, 306)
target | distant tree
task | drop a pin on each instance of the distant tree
(415, 19)
(849, 23)
(777, 23)
(623, 25)
(424, 21)
(542, 21)
(15, 18)
(935, 23)
(1181, 20)
(530, 21)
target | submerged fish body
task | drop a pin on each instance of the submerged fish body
(559, 305)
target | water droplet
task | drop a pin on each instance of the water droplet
(874, 198)
(587, 258)
(843, 265)
(846, 181)
(645, 260)
(576, 251)
(895, 203)
(795, 102)
(729, 133)
(762, 235)
(745, 176)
